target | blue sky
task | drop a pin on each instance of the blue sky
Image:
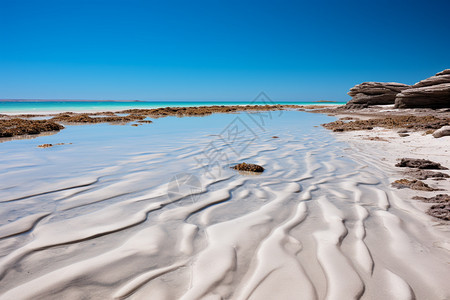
(216, 50)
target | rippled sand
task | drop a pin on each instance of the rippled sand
(104, 217)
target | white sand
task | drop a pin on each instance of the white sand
(94, 220)
(387, 152)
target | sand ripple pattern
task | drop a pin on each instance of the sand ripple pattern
(319, 223)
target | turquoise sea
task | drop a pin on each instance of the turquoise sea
(59, 106)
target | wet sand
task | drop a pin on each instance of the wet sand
(101, 218)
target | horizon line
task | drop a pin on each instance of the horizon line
(94, 100)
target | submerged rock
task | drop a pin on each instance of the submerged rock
(249, 167)
(51, 145)
(433, 92)
(374, 93)
(420, 164)
(45, 146)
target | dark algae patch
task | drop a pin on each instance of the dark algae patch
(410, 122)
(249, 167)
(420, 164)
(412, 184)
(13, 127)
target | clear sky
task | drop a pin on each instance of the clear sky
(216, 50)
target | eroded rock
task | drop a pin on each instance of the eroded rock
(374, 93)
(443, 131)
(433, 92)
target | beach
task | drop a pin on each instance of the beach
(115, 211)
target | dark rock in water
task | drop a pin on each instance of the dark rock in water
(248, 167)
(444, 131)
(412, 184)
(275, 137)
(433, 92)
(425, 174)
(45, 146)
(420, 164)
(374, 93)
(440, 198)
(441, 211)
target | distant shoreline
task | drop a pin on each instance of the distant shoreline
(157, 101)
(67, 100)
(49, 107)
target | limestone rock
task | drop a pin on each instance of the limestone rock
(443, 131)
(445, 72)
(433, 92)
(374, 93)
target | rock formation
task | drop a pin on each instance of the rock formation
(433, 92)
(374, 93)
(444, 131)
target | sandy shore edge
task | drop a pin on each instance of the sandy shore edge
(386, 146)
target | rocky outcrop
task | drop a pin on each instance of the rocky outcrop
(374, 93)
(433, 92)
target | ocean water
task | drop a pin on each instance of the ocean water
(155, 211)
(8, 107)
